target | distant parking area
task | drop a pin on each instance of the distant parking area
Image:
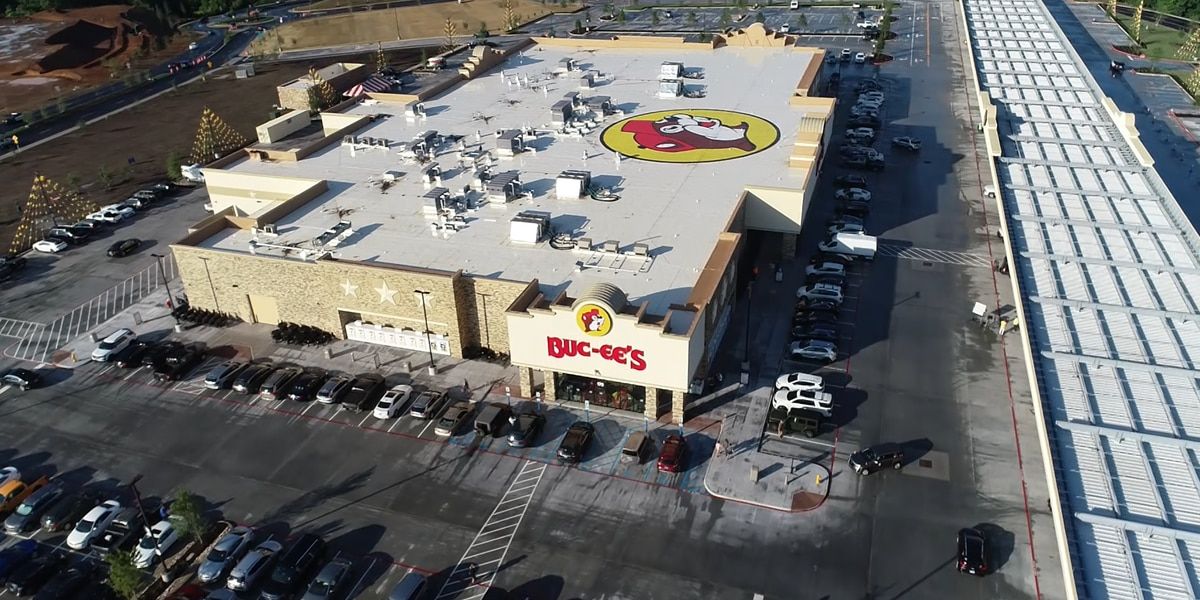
(839, 22)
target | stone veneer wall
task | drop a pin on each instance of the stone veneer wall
(311, 293)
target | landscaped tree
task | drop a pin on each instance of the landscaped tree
(189, 515)
(174, 166)
(690, 19)
(578, 26)
(123, 577)
(1111, 8)
(1190, 47)
(1191, 83)
(380, 60)
(1137, 22)
(759, 17)
(49, 204)
(214, 138)
(654, 17)
(449, 30)
(802, 22)
(320, 93)
(510, 16)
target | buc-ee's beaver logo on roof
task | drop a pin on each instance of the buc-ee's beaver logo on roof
(690, 136)
(593, 320)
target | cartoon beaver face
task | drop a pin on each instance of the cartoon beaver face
(683, 132)
(592, 320)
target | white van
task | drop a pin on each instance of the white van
(821, 402)
(854, 244)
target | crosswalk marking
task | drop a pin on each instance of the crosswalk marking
(477, 568)
(964, 259)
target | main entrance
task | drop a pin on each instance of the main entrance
(609, 394)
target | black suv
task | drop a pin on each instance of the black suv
(175, 366)
(131, 356)
(576, 442)
(878, 457)
(304, 387)
(364, 392)
(972, 552)
(301, 559)
(252, 378)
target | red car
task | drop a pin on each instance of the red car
(670, 459)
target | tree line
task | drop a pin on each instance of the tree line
(167, 11)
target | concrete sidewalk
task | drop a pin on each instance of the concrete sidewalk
(740, 472)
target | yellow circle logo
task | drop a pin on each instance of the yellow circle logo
(593, 319)
(690, 136)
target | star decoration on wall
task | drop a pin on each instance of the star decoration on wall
(386, 294)
(349, 288)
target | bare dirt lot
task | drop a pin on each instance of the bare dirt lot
(146, 134)
(56, 53)
(409, 22)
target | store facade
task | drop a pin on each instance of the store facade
(600, 349)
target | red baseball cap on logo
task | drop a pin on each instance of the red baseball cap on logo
(647, 136)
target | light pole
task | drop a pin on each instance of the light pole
(137, 501)
(428, 339)
(211, 288)
(170, 298)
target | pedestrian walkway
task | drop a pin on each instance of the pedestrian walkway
(964, 259)
(477, 568)
(741, 472)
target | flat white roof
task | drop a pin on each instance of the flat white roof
(677, 210)
(1110, 274)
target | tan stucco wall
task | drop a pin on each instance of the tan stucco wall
(775, 208)
(251, 194)
(280, 127)
(312, 293)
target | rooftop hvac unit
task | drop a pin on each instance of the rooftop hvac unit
(270, 229)
(583, 243)
(566, 65)
(612, 246)
(670, 70)
(529, 227)
(573, 98)
(601, 105)
(503, 187)
(434, 201)
(334, 235)
(433, 173)
(560, 112)
(509, 142)
(670, 88)
(570, 185)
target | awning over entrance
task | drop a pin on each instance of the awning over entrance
(409, 339)
(373, 83)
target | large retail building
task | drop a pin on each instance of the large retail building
(577, 204)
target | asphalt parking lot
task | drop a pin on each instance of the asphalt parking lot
(837, 23)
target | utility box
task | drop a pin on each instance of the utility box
(509, 143)
(670, 88)
(601, 105)
(503, 187)
(571, 185)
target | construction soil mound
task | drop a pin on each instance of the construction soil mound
(91, 36)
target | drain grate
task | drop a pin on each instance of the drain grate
(926, 463)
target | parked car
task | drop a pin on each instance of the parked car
(972, 552)
(252, 566)
(157, 542)
(814, 400)
(453, 418)
(225, 554)
(176, 367)
(111, 344)
(816, 330)
(846, 54)
(93, 524)
(70, 236)
(393, 401)
(826, 268)
(820, 291)
(124, 247)
(131, 356)
(278, 382)
(813, 350)
(223, 375)
(800, 381)
(26, 515)
(427, 405)
(334, 388)
(68, 510)
(674, 450)
(364, 392)
(907, 143)
(66, 584)
(525, 429)
(844, 227)
(852, 194)
(15, 556)
(22, 378)
(575, 443)
(864, 162)
(14, 492)
(410, 587)
(877, 457)
(860, 58)
(304, 387)
(121, 533)
(252, 378)
(331, 581)
(857, 181)
(158, 353)
(295, 565)
(853, 209)
(51, 245)
(31, 576)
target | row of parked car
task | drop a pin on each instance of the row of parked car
(61, 237)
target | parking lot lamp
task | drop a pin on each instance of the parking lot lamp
(162, 272)
(428, 339)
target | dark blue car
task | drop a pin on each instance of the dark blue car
(15, 556)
